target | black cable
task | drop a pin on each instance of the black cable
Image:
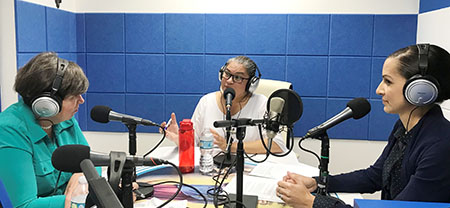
(179, 187)
(306, 150)
(218, 186)
(159, 143)
(409, 117)
(184, 184)
(56, 184)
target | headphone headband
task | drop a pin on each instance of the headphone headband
(61, 68)
(423, 58)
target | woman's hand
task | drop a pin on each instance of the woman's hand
(219, 140)
(71, 185)
(295, 190)
(172, 128)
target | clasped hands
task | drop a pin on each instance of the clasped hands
(295, 190)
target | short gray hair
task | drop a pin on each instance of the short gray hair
(248, 64)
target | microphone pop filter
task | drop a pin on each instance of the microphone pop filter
(100, 113)
(67, 158)
(360, 107)
(293, 106)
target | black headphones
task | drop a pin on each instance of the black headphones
(421, 89)
(252, 83)
(49, 104)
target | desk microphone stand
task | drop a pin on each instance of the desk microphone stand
(227, 159)
(323, 166)
(248, 200)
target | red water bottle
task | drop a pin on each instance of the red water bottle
(186, 146)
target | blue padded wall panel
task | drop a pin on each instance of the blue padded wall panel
(349, 129)
(61, 30)
(225, 33)
(115, 101)
(145, 73)
(69, 56)
(81, 61)
(144, 33)
(308, 34)
(23, 58)
(183, 73)
(146, 106)
(31, 27)
(377, 68)
(185, 33)
(81, 33)
(381, 123)
(104, 32)
(308, 75)
(182, 105)
(266, 34)
(271, 67)
(349, 77)
(314, 113)
(392, 32)
(106, 72)
(82, 114)
(213, 63)
(351, 35)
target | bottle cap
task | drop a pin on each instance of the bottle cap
(186, 124)
(82, 180)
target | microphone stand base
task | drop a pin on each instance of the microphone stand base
(250, 201)
(227, 160)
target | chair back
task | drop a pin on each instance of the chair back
(267, 87)
(4, 197)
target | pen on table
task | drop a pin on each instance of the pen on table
(168, 123)
(139, 193)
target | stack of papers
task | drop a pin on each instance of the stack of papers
(262, 180)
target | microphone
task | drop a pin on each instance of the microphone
(67, 158)
(356, 108)
(104, 114)
(229, 95)
(101, 193)
(273, 123)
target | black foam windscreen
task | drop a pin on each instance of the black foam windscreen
(100, 113)
(229, 91)
(67, 158)
(360, 107)
(293, 106)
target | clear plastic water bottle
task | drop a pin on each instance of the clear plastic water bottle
(80, 193)
(206, 151)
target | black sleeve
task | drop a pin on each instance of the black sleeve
(328, 202)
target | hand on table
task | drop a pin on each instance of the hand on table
(296, 189)
(71, 185)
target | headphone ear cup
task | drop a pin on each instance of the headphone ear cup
(46, 105)
(421, 90)
(252, 84)
(220, 75)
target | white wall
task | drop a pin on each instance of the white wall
(239, 6)
(434, 27)
(7, 53)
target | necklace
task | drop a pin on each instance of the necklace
(46, 127)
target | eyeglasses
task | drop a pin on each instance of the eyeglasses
(236, 78)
